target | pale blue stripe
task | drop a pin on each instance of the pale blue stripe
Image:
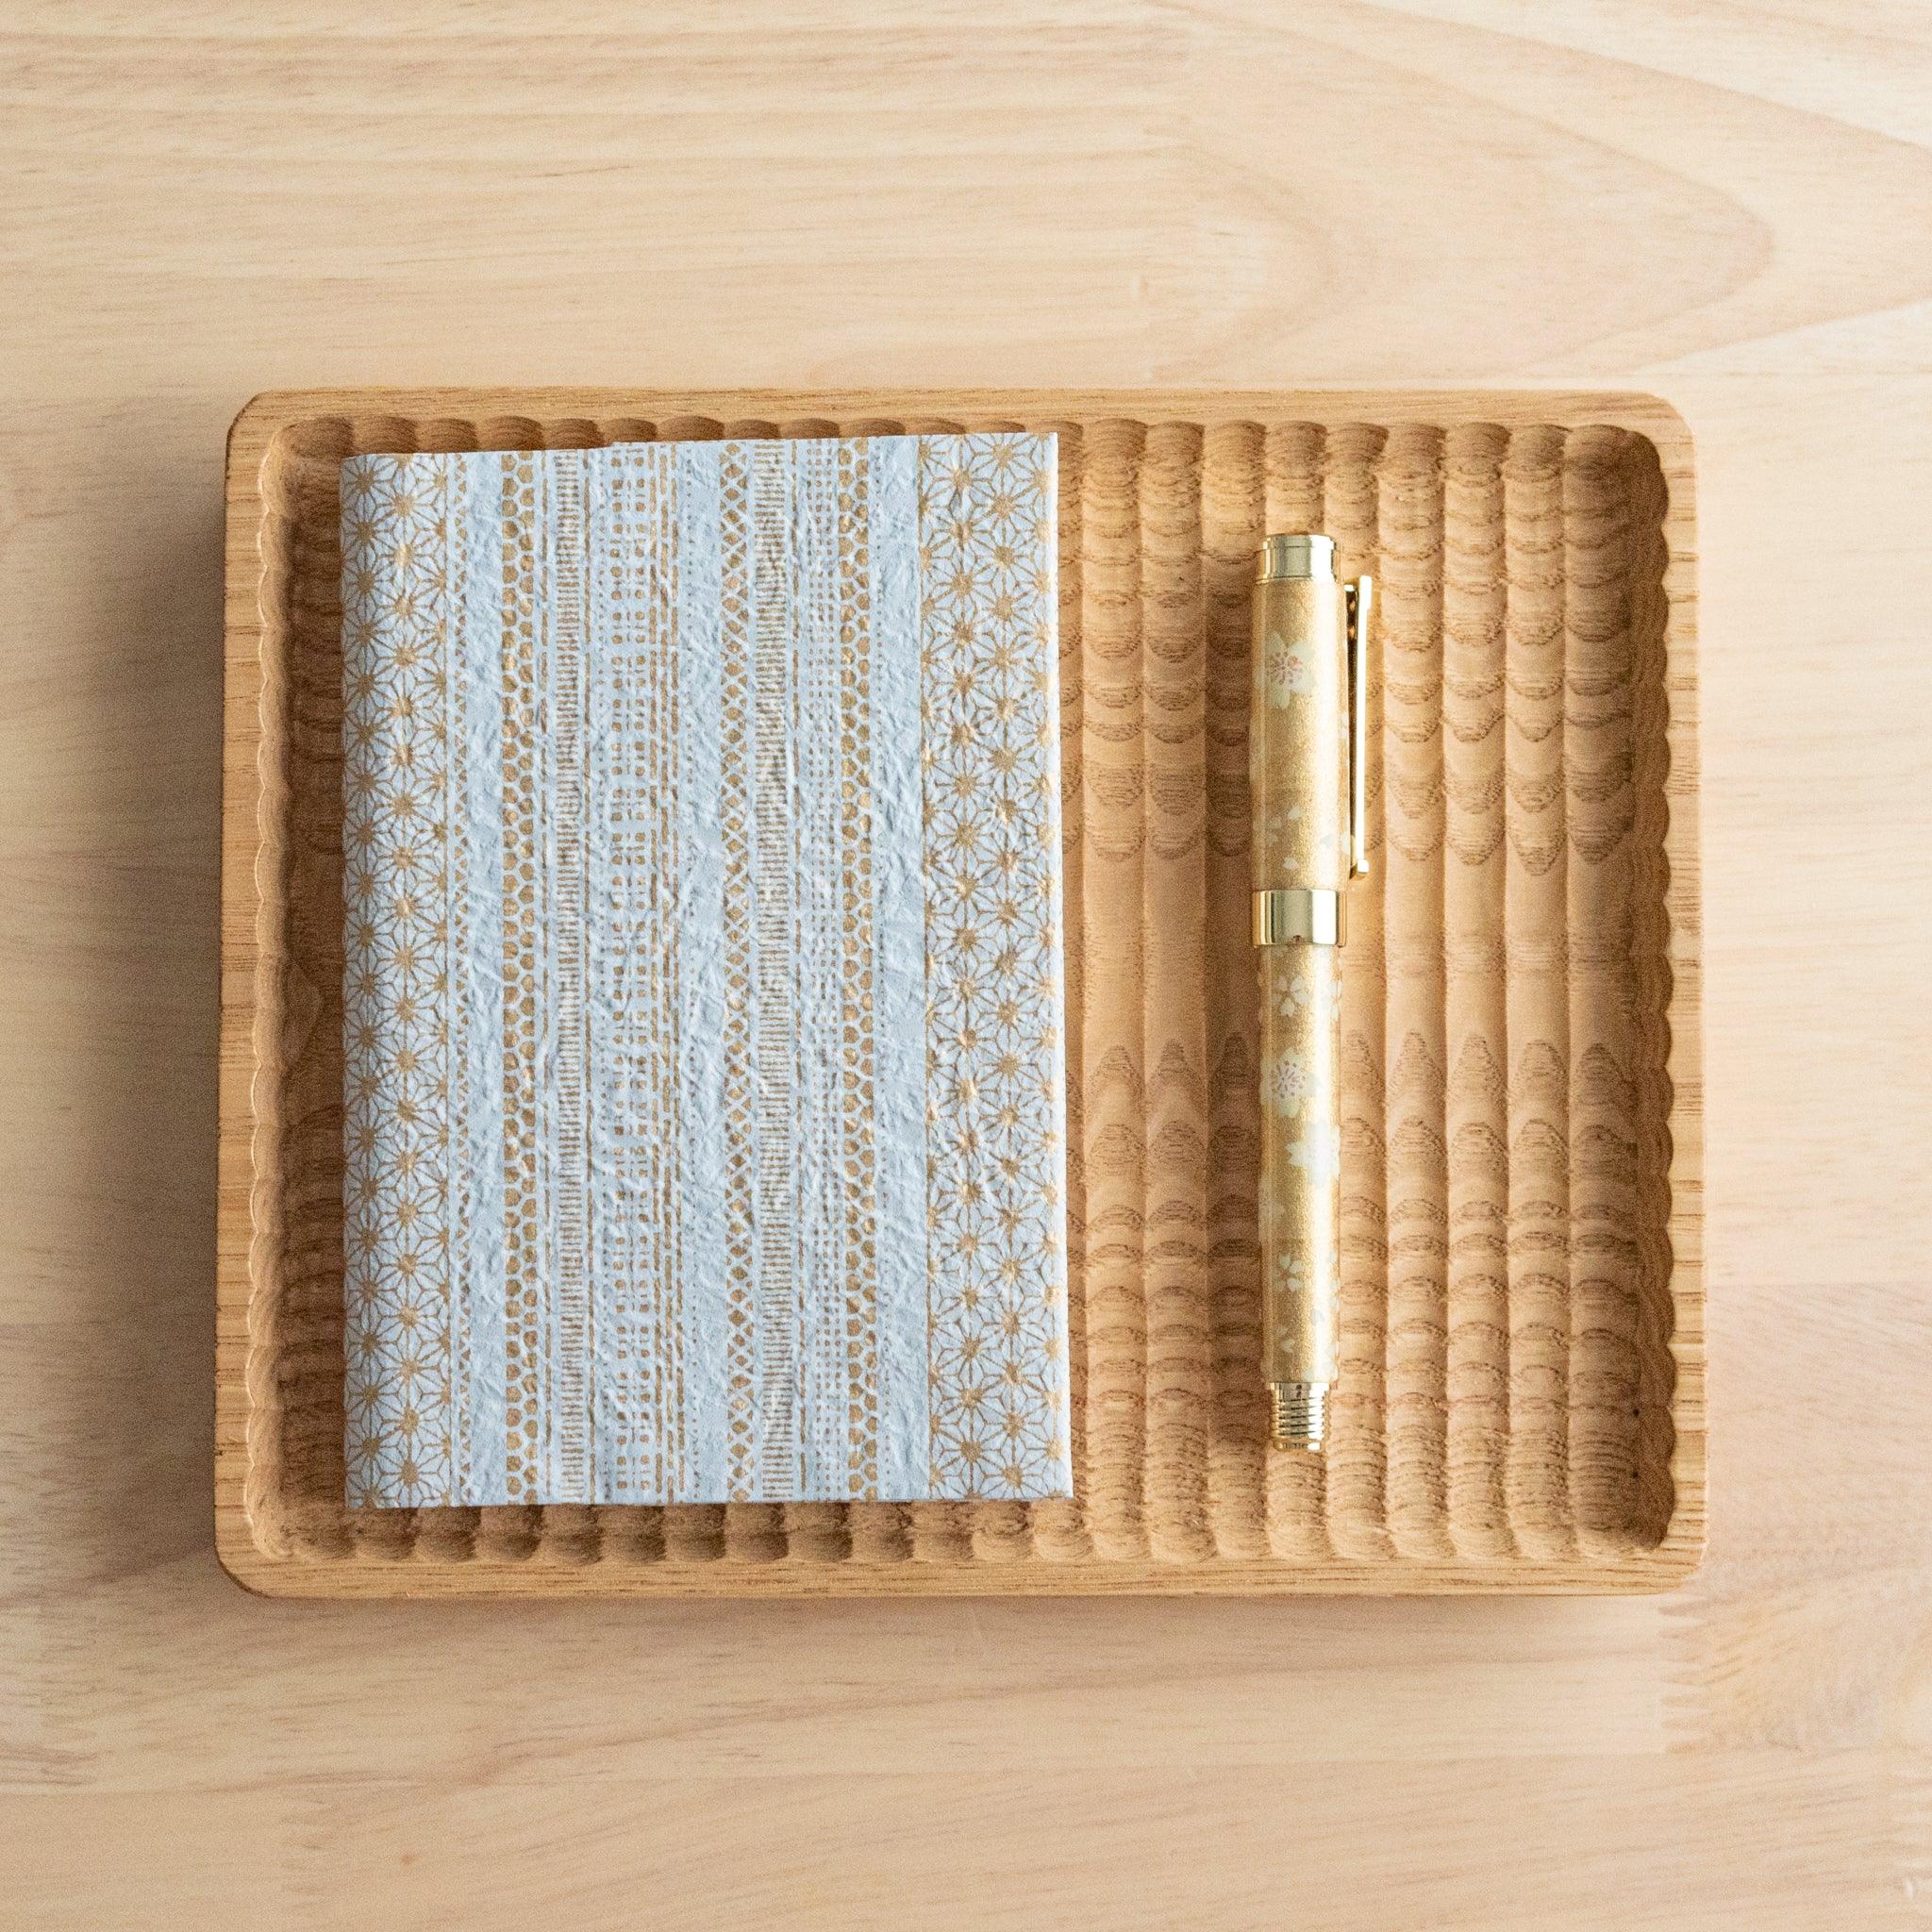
(604, 1224)
(573, 1479)
(457, 1215)
(705, 1475)
(818, 1211)
(633, 1225)
(805, 1164)
(479, 797)
(738, 798)
(899, 972)
(834, 1429)
(548, 1485)
(809, 1179)
(775, 1341)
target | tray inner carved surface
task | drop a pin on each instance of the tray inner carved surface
(1506, 1374)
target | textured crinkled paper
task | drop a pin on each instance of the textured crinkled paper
(705, 1122)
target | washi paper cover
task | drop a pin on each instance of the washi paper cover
(705, 1101)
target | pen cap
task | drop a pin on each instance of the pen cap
(1298, 728)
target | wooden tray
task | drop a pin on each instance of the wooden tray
(1522, 1405)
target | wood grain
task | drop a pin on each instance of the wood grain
(1721, 203)
(1610, 1494)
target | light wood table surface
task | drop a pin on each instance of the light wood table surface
(1727, 204)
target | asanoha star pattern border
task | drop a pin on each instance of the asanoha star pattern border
(706, 1113)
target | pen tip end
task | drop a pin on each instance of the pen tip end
(1298, 1417)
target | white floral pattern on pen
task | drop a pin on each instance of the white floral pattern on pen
(1295, 992)
(1289, 1085)
(1291, 671)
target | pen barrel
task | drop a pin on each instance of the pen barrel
(1300, 778)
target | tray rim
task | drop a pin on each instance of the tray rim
(247, 1185)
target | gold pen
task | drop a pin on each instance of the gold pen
(1308, 777)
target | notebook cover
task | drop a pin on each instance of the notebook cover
(703, 1016)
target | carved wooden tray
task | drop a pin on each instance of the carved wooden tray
(1522, 1404)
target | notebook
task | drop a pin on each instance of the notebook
(704, 1129)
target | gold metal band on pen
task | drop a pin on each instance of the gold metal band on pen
(1295, 556)
(1306, 915)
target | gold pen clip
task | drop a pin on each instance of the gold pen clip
(1360, 596)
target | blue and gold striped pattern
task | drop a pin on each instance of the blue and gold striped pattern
(705, 1088)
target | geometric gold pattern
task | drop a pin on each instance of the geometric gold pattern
(994, 1000)
(395, 625)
